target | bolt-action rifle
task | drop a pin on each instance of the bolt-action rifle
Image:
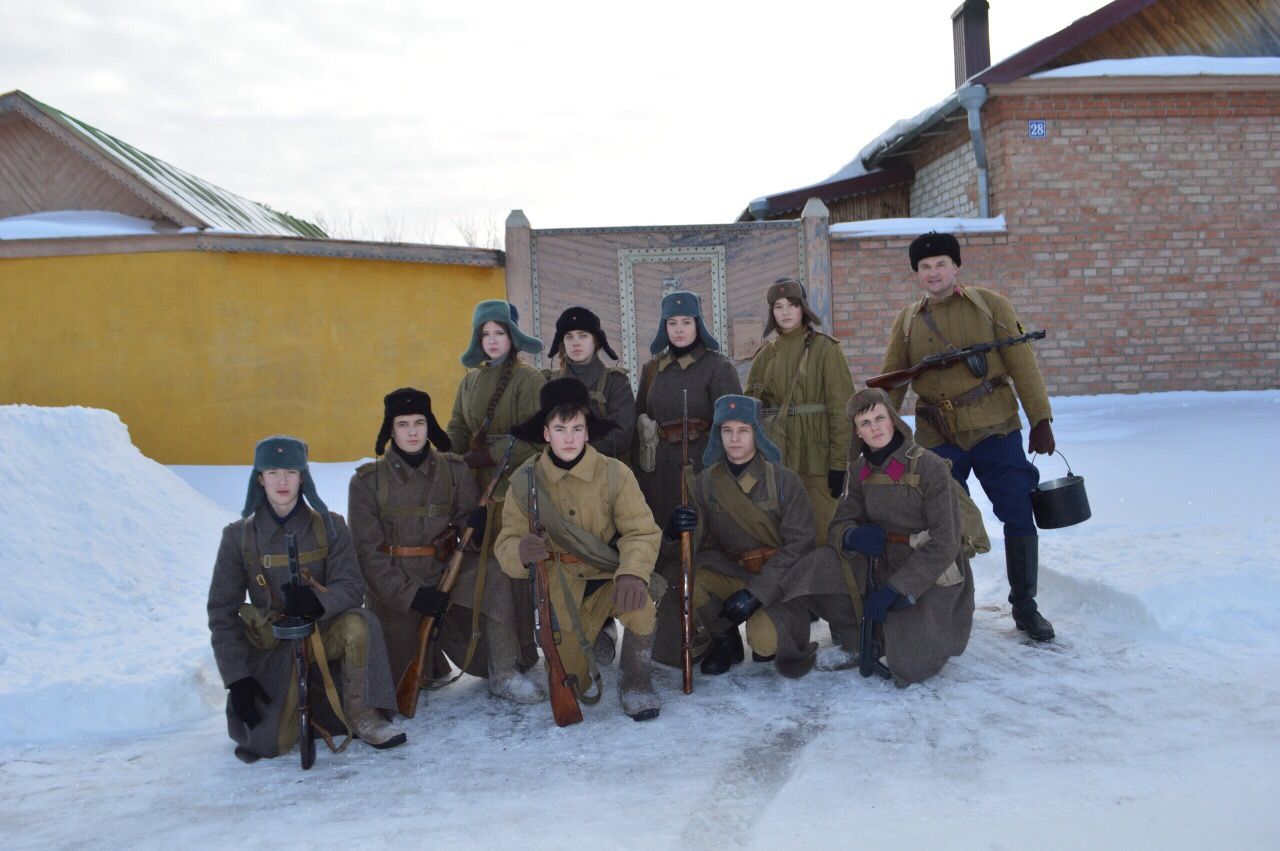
(975, 357)
(411, 682)
(868, 648)
(686, 558)
(564, 699)
(297, 630)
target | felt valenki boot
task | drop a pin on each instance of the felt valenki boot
(635, 689)
(367, 723)
(505, 679)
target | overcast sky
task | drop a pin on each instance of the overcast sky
(401, 120)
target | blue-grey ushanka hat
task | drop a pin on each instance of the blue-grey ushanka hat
(496, 310)
(744, 409)
(681, 304)
(280, 452)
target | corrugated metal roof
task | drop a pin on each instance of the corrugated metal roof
(216, 207)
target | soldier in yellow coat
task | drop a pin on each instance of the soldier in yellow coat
(600, 544)
(803, 380)
(971, 419)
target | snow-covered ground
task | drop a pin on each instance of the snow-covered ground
(1153, 721)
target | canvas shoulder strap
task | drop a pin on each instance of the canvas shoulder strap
(739, 506)
(438, 466)
(592, 549)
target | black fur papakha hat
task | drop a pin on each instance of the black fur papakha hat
(794, 290)
(580, 319)
(933, 244)
(405, 402)
(557, 392)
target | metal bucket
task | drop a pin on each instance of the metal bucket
(1060, 502)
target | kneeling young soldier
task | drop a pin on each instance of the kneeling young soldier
(262, 706)
(751, 524)
(600, 545)
(407, 509)
(901, 509)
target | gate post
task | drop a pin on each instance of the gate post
(815, 231)
(519, 269)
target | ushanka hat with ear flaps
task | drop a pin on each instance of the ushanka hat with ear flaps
(681, 304)
(496, 310)
(557, 392)
(744, 409)
(933, 244)
(280, 452)
(794, 290)
(408, 401)
(866, 398)
(580, 319)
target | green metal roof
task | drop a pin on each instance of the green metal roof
(215, 207)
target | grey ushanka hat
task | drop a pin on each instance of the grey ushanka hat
(496, 310)
(280, 452)
(681, 303)
(744, 409)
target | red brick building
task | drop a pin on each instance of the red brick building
(1140, 197)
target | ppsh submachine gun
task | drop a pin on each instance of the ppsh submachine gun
(974, 357)
(299, 630)
(869, 649)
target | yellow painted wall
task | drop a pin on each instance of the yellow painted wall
(203, 353)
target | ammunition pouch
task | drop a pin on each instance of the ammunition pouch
(752, 561)
(647, 443)
(257, 626)
(942, 414)
(977, 363)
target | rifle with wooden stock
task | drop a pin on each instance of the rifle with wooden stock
(974, 356)
(686, 559)
(564, 698)
(410, 685)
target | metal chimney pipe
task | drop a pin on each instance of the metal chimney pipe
(971, 39)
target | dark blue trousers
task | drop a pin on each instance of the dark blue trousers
(1006, 476)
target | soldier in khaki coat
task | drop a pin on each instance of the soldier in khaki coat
(497, 392)
(901, 510)
(262, 703)
(579, 340)
(803, 380)
(751, 528)
(599, 546)
(406, 511)
(971, 419)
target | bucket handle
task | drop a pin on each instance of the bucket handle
(1056, 452)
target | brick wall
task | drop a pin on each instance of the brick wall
(1143, 233)
(946, 184)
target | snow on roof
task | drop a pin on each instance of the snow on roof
(915, 227)
(215, 207)
(1167, 66)
(69, 223)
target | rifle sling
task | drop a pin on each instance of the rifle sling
(585, 546)
(330, 691)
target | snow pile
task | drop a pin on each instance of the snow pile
(915, 227)
(1168, 66)
(68, 223)
(105, 558)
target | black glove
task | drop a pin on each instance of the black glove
(301, 602)
(868, 540)
(835, 483)
(477, 521)
(740, 606)
(681, 520)
(243, 692)
(883, 600)
(430, 600)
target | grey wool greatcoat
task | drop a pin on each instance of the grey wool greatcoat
(420, 504)
(707, 375)
(785, 577)
(234, 575)
(611, 398)
(918, 640)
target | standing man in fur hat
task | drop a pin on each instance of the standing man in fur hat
(262, 703)
(901, 510)
(972, 419)
(407, 510)
(803, 380)
(751, 530)
(498, 391)
(600, 543)
(578, 341)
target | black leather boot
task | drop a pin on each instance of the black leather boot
(726, 651)
(1022, 562)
